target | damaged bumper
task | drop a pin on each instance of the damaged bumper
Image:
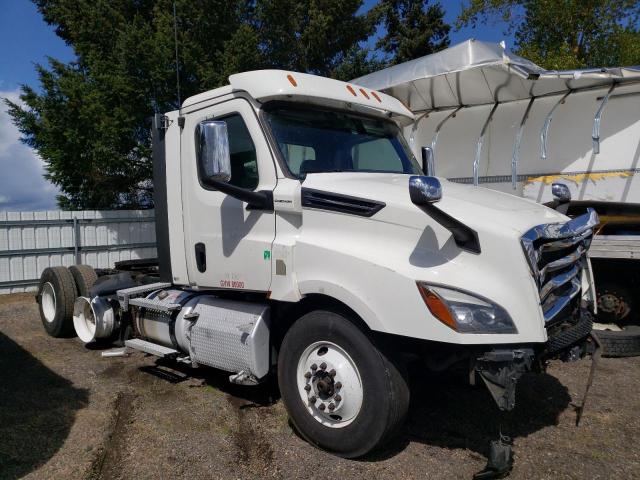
(500, 368)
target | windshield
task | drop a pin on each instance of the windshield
(316, 140)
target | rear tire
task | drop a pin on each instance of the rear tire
(56, 295)
(370, 405)
(84, 277)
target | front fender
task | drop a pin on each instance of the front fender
(358, 305)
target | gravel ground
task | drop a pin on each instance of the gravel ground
(67, 413)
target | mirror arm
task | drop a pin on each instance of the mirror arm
(465, 237)
(261, 200)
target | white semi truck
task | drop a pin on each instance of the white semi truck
(299, 237)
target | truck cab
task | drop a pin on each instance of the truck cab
(299, 236)
(317, 201)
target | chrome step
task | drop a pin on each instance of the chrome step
(152, 348)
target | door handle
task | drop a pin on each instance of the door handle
(201, 257)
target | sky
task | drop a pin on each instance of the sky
(25, 40)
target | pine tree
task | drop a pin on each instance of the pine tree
(414, 28)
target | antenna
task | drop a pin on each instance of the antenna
(175, 40)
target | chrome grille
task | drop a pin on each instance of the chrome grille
(556, 253)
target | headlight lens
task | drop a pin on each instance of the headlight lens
(464, 312)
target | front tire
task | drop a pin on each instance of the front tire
(342, 393)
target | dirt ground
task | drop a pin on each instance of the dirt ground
(68, 413)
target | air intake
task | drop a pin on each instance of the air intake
(336, 202)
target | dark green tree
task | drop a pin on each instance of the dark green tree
(414, 28)
(89, 122)
(563, 34)
(322, 37)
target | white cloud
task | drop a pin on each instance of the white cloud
(22, 185)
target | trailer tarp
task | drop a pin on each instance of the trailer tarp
(478, 73)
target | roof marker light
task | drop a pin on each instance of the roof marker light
(353, 92)
(292, 80)
(375, 95)
(364, 93)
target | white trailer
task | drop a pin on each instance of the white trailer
(298, 237)
(496, 120)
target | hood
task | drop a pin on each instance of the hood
(477, 207)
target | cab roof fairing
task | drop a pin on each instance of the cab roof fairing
(266, 85)
(480, 73)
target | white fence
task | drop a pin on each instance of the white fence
(33, 241)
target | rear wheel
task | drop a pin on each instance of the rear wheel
(56, 294)
(84, 277)
(616, 304)
(342, 393)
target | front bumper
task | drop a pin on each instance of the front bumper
(500, 368)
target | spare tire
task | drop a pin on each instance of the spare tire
(624, 343)
(56, 295)
(84, 276)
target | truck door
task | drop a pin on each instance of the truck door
(227, 245)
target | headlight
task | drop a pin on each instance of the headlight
(464, 312)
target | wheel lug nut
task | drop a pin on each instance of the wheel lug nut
(307, 375)
(314, 367)
(338, 384)
(332, 406)
(322, 407)
(312, 399)
(337, 398)
(332, 373)
(307, 388)
(323, 366)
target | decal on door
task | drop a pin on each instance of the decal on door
(232, 280)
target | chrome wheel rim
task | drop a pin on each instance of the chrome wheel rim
(329, 384)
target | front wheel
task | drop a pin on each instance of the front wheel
(342, 393)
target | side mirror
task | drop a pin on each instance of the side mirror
(560, 192)
(424, 190)
(212, 150)
(428, 165)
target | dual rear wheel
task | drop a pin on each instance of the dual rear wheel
(58, 289)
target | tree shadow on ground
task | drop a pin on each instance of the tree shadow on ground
(37, 410)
